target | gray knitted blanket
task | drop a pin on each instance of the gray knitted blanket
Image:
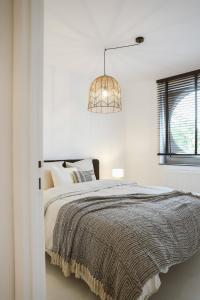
(117, 244)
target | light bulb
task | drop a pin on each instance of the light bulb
(104, 93)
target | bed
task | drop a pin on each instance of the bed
(119, 236)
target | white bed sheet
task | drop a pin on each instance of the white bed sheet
(97, 188)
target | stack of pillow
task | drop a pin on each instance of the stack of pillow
(63, 172)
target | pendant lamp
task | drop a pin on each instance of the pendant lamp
(105, 91)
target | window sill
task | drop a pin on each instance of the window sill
(182, 168)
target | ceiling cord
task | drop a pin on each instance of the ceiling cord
(138, 40)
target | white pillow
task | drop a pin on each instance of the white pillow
(62, 176)
(83, 165)
(47, 178)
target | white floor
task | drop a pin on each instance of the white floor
(61, 288)
(181, 283)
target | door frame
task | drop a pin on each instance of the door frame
(27, 149)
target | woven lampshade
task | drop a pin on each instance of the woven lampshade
(104, 95)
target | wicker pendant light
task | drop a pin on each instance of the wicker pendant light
(105, 95)
(105, 92)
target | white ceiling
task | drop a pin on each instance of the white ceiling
(76, 32)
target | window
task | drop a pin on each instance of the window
(179, 119)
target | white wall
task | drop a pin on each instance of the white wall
(75, 36)
(142, 163)
(70, 131)
(73, 59)
(127, 139)
(6, 228)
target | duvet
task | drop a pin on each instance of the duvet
(118, 236)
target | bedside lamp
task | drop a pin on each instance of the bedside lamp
(118, 173)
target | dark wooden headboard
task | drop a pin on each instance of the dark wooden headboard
(94, 161)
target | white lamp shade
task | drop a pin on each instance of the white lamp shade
(118, 173)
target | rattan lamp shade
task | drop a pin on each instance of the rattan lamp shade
(104, 95)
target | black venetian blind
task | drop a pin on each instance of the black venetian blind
(179, 118)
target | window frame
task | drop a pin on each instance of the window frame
(167, 158)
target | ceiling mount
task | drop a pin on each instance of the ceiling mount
(139, 39)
